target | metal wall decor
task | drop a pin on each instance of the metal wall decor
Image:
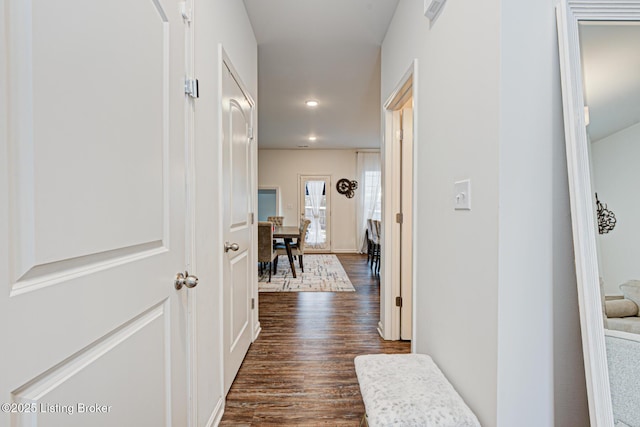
(346, 187)
(606, 218)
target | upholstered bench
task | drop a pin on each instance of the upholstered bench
(409, 390)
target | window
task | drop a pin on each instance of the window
(373, 194)
(369, 193)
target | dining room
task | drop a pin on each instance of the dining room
(336, 190)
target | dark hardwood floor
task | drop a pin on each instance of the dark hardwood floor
(300, 370)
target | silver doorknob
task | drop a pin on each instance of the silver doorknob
(233, 246)
(185, 279)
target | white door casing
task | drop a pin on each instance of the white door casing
(92, 197)
(238, 269)
(406, 228)
(393, 319)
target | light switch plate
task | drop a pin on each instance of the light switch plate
(462, 195)
(432, 9)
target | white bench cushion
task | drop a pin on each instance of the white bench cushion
(409, 390)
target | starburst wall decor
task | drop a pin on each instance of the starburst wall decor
(606, 218)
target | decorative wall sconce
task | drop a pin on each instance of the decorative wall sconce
(346, 187)
(606, 218)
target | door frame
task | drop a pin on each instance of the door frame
(389, 325)
(190, 221)
(328, 179)
(225, 61)
(276, 188)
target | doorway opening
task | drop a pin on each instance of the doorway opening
(315, 205)
(268, 202)
(397, 280)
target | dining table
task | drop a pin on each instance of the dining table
(287, 233)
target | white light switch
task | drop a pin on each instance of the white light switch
(289, 206)
(462, 195)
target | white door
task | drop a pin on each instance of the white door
(92, 196)
(406, 227)
(238, 273)
(315, 205)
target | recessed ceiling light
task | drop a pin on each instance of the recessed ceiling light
(312, 103)
(313, 138)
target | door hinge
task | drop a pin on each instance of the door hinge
(250, 132)
(191, 88)
(185, 12)
(400, 134)
(398, 301)
(399, 218)
(251, 217)
(253, 303)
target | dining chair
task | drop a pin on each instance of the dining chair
(276, 220)
(369, 236)
(302, 221)
(266, 252)
(375, 244)
(297, 248)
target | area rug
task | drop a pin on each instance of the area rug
(322, 273)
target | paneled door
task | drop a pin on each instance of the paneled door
(238, 274)
(92, 224)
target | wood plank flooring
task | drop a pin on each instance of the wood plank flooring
(300, 371)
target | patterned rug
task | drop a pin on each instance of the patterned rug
(322, 273)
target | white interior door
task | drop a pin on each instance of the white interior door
(406, 228)
(238, 274)
(92, 196)
(315, 205)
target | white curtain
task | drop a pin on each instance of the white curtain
(370, 193)
(315, 189)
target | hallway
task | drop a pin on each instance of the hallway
(300, 369)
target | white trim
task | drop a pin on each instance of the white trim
(569, 12)
(389, 285)
(254, 209)
(345, 251)
(216, 415)
(622, 335)
(220, 234)
(415, 197)
(190, 225)
(380, 328)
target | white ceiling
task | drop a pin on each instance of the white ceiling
(327, 50)
(611, 72)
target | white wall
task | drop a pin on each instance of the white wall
(615, 179)
(541, 370)
(226, 22)
(457, 277)
(282, 168)
(496, 302)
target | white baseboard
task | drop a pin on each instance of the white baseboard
(380, 329)
(345, 251)
(216, 415)
(256, 331)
